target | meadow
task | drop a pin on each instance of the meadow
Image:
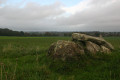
(25, 58)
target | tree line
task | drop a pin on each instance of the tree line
(8, 32)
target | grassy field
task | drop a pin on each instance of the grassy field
(25, 58)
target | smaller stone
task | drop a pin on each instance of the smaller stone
(92, 47)
(105, 50)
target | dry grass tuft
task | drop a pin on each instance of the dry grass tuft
(7, 48)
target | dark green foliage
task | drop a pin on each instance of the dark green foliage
(25, 58)
(8, 32)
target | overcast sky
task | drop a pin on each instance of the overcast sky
(60, 15)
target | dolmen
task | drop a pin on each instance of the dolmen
(81, 44)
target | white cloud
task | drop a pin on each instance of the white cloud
(77, 8)
(2, 1)
(101, 15)
(32, 15)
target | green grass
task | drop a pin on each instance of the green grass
(25, 58)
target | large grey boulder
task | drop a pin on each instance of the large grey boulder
(96, 40)
(65, 50)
